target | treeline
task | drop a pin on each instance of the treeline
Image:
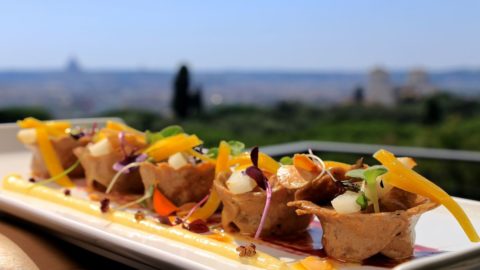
(441, 121)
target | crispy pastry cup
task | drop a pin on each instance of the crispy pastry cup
(358, 236)
(63, 147)
(190, 183)
(99, 172)
(242, 212)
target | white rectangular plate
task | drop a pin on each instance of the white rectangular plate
(436, 229)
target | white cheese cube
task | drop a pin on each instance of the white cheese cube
(27, 135)
(177, 161)
(100, 148)
(346, 203)
(239, 182)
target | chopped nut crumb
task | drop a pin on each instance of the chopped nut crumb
(247, 251)
(67, 192)
(104, 205)
(31, 180)
(139, 215)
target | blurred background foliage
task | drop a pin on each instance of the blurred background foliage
(439, 121)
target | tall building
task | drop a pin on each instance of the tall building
(416, 86)
(418, 80)
(379, 88)
(73, 66)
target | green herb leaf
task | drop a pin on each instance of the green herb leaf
(152, 136)
(362, 201)
(358, 173)
(367, 174)
(212, 152)
(58, 176)
(142, 200)
(236, 147)
(286, 160)
(371, 173)
(169, 131)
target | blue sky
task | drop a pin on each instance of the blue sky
(244, 35)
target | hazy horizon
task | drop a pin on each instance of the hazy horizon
(192, 68)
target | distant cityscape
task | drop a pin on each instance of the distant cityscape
(77, 92)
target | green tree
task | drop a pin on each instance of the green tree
(358, 95)
(181, 97)
(433, 111)
(196, 101)
(12, 114)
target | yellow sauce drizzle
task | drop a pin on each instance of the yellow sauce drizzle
(209, 243)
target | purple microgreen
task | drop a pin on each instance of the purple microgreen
(120, 165)
(94, 129)
(121, 139)
(265, 209)
(125, 169)
(141, 158)
(128, 158)
(256, 174)
(254, 156)
(195, 207)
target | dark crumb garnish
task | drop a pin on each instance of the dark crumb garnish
(177, 221)
(105, 205)
(247, 251)
(77, 136)
(198, 149)
(165, 220)
(381, 184)
(139, 216)
(32, 180)
(348, 185)
(76, 133)
(67, 192)
(196, 226)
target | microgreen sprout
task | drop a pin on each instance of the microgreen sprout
(370, 175)
(58, 176)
